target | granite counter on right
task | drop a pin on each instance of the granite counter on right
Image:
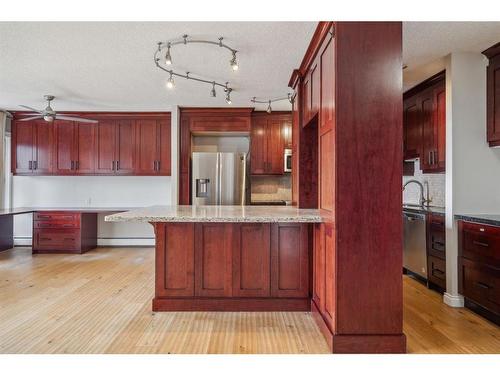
(479, 263)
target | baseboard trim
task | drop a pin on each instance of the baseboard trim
(24, 241)
(230, 304)
(453, 300)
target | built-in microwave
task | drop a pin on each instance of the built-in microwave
(288, 160)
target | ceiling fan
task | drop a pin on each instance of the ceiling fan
(49, 115)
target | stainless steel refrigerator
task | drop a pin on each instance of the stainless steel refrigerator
(219, 178)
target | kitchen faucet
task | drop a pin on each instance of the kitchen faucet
(423, 201)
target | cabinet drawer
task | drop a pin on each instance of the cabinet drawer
(436, 271)
(58, 216)
(56, 224)
(56, 239)
(481, 242)
(481, 284)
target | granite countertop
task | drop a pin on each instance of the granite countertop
(424, 209)
(230, 214)
(489, 219)
(27, 210)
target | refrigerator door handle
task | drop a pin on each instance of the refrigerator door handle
(217, 179)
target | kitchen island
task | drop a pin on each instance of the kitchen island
(230, 258)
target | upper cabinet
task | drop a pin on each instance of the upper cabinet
(32, 147)
(269, 136)
(493, 95)
(311, 94)
(424, 124)
(117, 145)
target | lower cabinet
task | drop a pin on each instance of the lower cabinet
(232, 266)
(436, 252)
(64, 232)
(479, 268)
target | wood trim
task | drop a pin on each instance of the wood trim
(103, 115)
(294, 79)
(323, 327)
(369, 344)
(231, 304)
(492, 51)
(217, 111)
(322, 30)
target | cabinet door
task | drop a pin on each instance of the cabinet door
(147, 148)
(174, 259)
(105, 147)
(330, 291)
(251, 260)
(42, 152)
(286, 132)
(295, 148)
(275, 147)
(258, 141)
(125, 147)
(306, 99)
(289, 260)
(440, 128)
(84, 148)
(493, 101)
(23, 147)
(164, 148)
(412, 130)
(426, 107)
(213, 263)
(64, 144)
(319, 267)
(315, 89)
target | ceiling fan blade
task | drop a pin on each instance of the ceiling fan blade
(71, 118)
(31, 118)
(30, 108)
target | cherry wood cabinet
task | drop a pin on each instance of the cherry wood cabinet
(353, 65)
(232, 266)
(251, 260)
(424, 124)
(73, 148)
(268, 139)
(479, 268)
(436, 252)
(493, 95)
(174, 260)
(119, 144)
(289, 260)
(64, 232)
(31, 147)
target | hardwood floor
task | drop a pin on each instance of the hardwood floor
(100, 302)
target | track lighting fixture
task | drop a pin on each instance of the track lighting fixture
(269, 101)
(170, 81)
(162, 64)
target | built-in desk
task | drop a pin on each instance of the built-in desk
(56, 229)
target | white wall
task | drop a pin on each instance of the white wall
(91, 191)
(472, 168)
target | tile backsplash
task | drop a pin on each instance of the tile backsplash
(271, 188)
(437, 189)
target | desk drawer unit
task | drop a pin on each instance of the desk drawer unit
(64, 232)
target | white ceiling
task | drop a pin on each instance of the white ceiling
(425, 44)
(109, 66)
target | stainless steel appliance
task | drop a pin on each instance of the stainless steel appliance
(414, 249)
(288, 160)
(219, 178)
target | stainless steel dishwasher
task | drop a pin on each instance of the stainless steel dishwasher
(414, 240)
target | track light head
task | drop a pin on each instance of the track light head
(228, 95)
(233, 62)
(213, 93)
(168, 57)
(269, 109)
(170, 82)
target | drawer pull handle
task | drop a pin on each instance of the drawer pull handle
(45, 239)
(439, 243)
(479, 243)
(438, 271)
(44, 216)
(69, 239)
(482, 285)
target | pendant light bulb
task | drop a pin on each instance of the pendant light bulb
(170, 82)
(233, 62)
(213, 93)
(168, 57)
(269, 109)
